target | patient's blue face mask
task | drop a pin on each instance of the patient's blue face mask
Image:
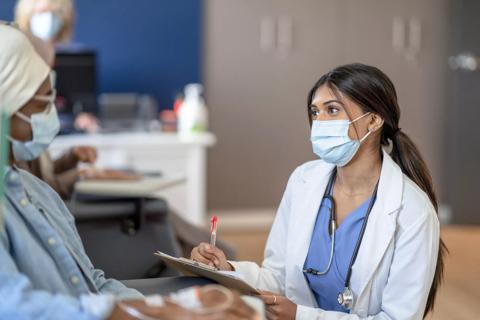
(330, 140)
(45, 126)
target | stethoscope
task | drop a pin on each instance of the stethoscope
(344, 298)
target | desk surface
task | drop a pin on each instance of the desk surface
(206, 139)
(145, 187)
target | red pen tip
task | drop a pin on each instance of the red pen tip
(213, 220)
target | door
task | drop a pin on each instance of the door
(463, 117)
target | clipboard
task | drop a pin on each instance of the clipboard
(194, 268)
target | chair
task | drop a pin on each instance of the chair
(120, 234)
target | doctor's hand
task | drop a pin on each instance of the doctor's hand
(210, 255)
(277, 306)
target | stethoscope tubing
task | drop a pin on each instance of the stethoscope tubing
(332, 225)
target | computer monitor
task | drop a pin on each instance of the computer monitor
(76, 81)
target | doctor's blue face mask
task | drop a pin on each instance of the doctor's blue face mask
(330, 140)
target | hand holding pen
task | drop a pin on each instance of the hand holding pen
(208, 253)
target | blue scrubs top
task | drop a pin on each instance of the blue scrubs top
(327, 287)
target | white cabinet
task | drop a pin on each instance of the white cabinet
(168, 153)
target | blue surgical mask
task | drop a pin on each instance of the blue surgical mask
(45, 25)
(45, 126)
(330, 140)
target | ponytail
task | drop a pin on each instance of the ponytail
(405, 153)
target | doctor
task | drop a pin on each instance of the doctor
(356, 235)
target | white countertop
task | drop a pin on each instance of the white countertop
(135, 138)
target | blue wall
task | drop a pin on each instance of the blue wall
(146, 46)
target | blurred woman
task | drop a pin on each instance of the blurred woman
(50, 20)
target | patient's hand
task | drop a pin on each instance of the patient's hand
(211, 256)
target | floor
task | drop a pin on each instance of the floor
(459, 296)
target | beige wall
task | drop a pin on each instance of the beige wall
(257, 98)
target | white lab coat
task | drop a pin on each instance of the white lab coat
(396, 262)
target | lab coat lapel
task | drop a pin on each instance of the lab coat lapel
(381, 225)
(305, 214)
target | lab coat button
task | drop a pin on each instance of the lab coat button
(51, 241)
(75, 280)
(24, 202)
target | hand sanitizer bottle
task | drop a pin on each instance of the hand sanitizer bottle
(193, 114)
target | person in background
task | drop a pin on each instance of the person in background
(44, 270)
(50, 20)
(49, 24)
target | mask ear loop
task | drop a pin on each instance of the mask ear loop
(366, 136)
(360, 117)
(51, 97)
(354, 127)
(23, 117)
(44, 98)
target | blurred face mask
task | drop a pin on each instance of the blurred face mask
(330, 140)
(45, 25)
(45, 126)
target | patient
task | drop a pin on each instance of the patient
(44, 270)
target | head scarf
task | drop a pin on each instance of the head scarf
(22, 71)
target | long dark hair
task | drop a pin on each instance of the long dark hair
(373, 91)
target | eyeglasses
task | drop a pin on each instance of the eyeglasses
(51, 97)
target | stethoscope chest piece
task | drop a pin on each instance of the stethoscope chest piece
(345, 298)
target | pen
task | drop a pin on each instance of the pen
(213, 230)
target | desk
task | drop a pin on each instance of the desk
(169, 153)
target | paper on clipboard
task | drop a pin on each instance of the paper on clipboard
(190, 267)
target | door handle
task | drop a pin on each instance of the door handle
(465, 61)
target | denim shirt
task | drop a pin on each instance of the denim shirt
(44, 270)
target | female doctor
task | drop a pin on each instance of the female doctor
(356, 235)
